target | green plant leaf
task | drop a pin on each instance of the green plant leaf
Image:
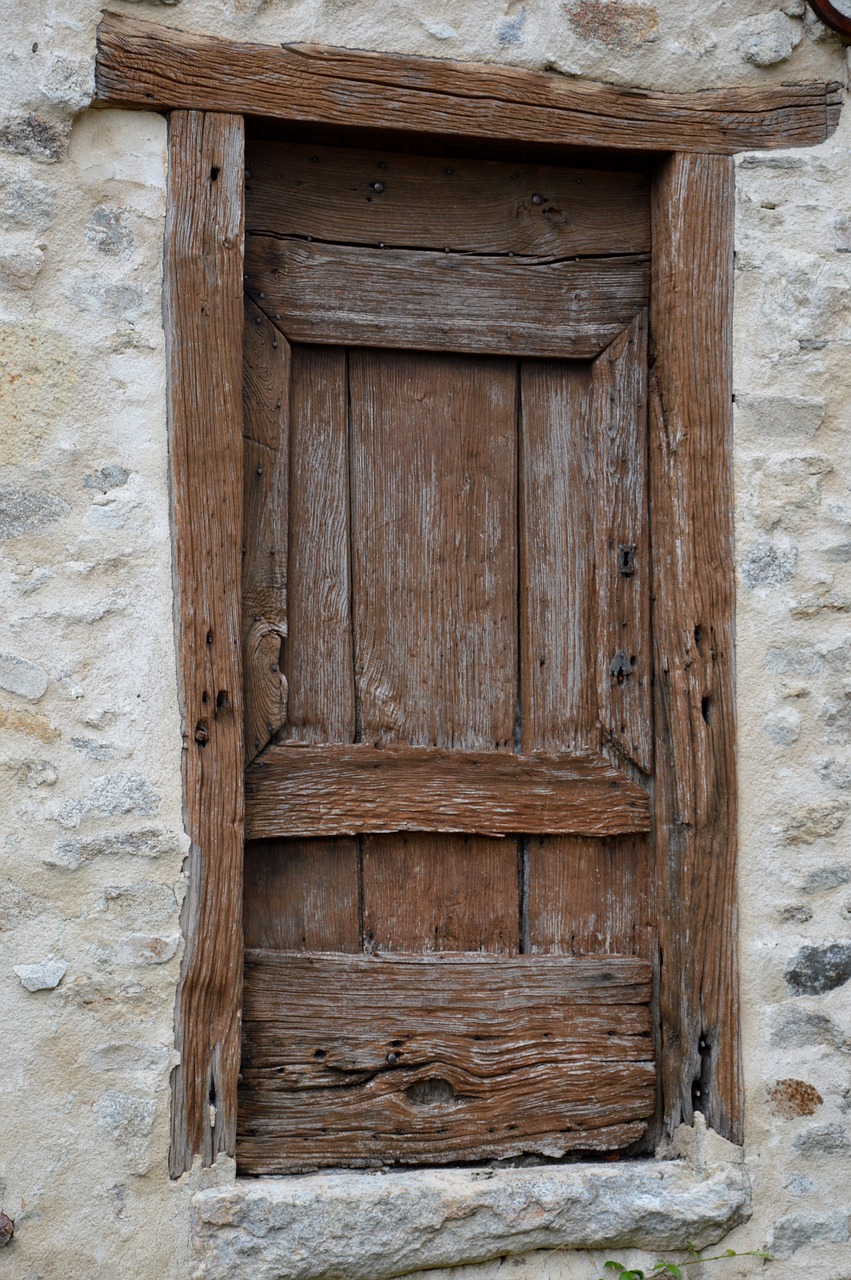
(615, 1266)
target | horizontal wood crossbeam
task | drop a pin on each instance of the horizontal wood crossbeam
(306, 791)
(439, 1058)
(343, 195)
(142, 65)
(396, 298)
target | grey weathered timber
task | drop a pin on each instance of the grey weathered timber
(144, 65)
(440, 1058)
(266, 410)
(345, 195)
(204, 326)
(691, 443)
(360, 789)
(453, 302)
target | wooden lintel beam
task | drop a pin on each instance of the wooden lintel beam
(157, 68)
(302, 791)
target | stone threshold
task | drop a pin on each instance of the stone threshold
(378, 1225)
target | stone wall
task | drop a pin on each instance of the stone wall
(91, 845)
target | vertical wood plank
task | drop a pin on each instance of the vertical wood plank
(266, 404)
(305, 893)
(435, 620)
(693, 624)
(302, 895)
(624, 659)
(204, 322)
(583, 451)
(318, 652)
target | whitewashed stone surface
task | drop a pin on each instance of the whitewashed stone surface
(91, 842)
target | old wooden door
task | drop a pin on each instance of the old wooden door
(448, 896)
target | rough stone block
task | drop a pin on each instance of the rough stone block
(23, 678)
(35, 136)
(822, 1140)
(794, 1230)
(28, 510)
(368, 1226)
(43, 975)
(128, 1120)
(769, 38)
(811, 822)
(817, 969)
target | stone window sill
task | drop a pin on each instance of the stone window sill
(374, 1226)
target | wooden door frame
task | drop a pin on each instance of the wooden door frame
(207, 86)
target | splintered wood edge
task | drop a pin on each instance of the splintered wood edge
(143, 65)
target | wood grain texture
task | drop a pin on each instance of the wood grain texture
(693, 589)
(266, 406)
(583, 467)
(302, 895)
(349, 196)
(305, 894)
(435, 615)
(622, 547)
(145, 65)
(318, 654)
(203, 324)
(558, 645)
(391, 298)
(361, 789)
(425, 893)
(436, 1059)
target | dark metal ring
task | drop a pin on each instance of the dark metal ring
(831, 16)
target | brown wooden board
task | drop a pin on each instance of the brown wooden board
(266, 406)
(434, 502)
(204, 324)
(436, 1059)
(346, 196)
(306, 893)
(390, 298)
(694, 612)
(146, 65)
(302, 895)
(361, 789)
(425, 893)
(582, 468)
(318, 652)
(623, 661)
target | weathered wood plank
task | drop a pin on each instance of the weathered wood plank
(361, 789)
(424, 893)
(393, 298)
(203, 324)
(623, 661)
(302, 895)
(558, 702)
(693, 590)
(583, 896)
(349, 196)
(440, 1059)
(318, 655)
(145, 65)
(266, 406)
(435, 617)
(305, 894)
